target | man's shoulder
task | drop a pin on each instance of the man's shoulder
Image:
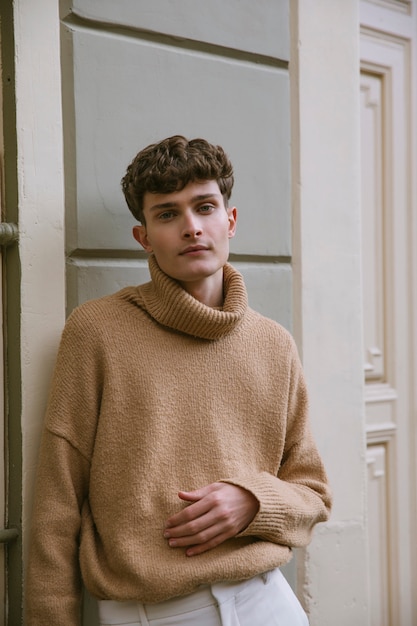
(116, 300)
(268, 326)
(99, 312)
(271, 340)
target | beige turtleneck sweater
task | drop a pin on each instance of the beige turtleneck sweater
(155, 392)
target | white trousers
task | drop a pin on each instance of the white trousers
(266, 600)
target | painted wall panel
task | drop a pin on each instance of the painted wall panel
(129, 93)
(269, 289)
(269, 285)
(259, 27)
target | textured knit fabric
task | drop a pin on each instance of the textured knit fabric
(264, 600)
(155, 392)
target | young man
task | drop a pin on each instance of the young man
(177, 468)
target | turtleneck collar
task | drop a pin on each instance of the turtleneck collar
(170, 305)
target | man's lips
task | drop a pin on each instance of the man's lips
(192, 249)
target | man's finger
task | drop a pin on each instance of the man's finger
(192, 512)
(197, 494)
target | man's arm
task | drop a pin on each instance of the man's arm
(53, 579)
(282, 509)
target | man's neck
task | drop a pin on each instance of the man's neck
(208, 292)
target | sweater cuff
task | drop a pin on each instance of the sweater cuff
(281, 517)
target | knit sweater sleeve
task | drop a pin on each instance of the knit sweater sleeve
(53, 580)
(53, 589)
(298, 497)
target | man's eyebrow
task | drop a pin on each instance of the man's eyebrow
(194, 199)
(163, 205)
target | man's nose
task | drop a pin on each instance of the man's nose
(191, 226)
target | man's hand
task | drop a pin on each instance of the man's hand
(218, 512)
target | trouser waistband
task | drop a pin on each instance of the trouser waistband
(199, 599)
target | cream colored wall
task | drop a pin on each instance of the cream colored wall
(41, 217)
(327, 290)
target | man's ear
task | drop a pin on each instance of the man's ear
(139, 233)
(232, 215)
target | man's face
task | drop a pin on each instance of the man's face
(188, 231)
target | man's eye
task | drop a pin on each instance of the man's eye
(166, 215)
(206, 208)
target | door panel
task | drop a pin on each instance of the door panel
(387, 40)
(378, 507)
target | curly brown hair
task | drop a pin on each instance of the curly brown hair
(170, 165)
